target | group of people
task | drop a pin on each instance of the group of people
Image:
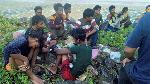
(21, 53)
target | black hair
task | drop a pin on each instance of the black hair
(36, 19)
(57, 5)
(125, 9)
(88, 13)
(111, 7)
(32, 34)
(37, 8)
(97, 7)
(66, 6)
(78, 33)
(147, 6)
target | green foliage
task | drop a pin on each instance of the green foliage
(114, 39)
(11, 77)
(7, 26)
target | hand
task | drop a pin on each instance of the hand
(26, 61)
(30, 57)
(53, 42)
(44, 49)
(87, 35)
(61, 26)
(126, 60)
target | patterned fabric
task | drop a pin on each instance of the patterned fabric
(19, 45)
(87, 26)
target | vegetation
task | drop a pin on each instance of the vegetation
(7, 26)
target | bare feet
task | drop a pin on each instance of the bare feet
(36, 80)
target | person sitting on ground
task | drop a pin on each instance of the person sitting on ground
(98, 15)
(37, 29)
(69, 21)
(137, 71)
(89, 25)
(83, 56)
(125, 22)
(67, 10)
(50, 43)
(111, 19)
(38, 11)
(19, 53)
(56, 22)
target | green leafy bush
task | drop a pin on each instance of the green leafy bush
(7, 26)
(114, 39)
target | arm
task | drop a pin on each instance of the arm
(53, 25)
(95, 28)
(129, 55)
(30, 54)
(90, 33)
(20, 57)
(35, 53)
(63, 51)
(133, 42)
(129, 52)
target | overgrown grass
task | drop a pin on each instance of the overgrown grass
(115, 40)
(7, 26)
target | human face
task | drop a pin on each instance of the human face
(98, 11)
(67, 10)
(33, 42)
(113, 10)
(40, 25)
(148, 9)
(88, 19)
(38, 12)
(60, 11)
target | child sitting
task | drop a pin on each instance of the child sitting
(111, 19)
(98, 15)
(71, 70)
(125, 22)
(19, 53)
(88, 24)
(56, 22)
(37, 29)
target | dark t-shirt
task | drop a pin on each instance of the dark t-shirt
(140, 38)
(19, 45)
(83, 58)
(98, 19)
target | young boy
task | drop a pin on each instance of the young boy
(111, 18)
(83, 56)
(37, 29)
(56, 23)
(38, 11)
(69, 22)
(18, 54)
(98, 15)
(89, 25)
(67, 10)
(125, 22)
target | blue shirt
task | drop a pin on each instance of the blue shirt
(140, 38)
(17, 46)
